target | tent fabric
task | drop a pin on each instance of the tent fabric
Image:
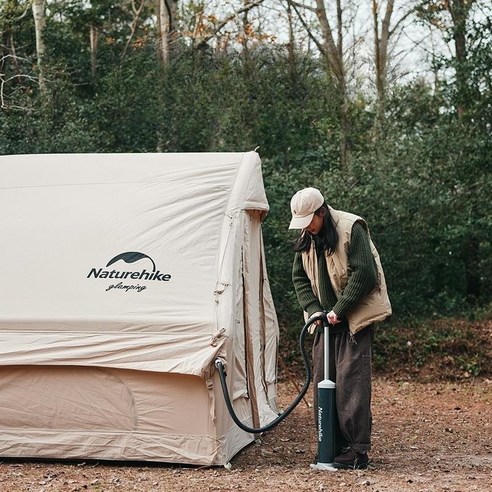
(124, 277)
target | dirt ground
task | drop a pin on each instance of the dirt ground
(433, 436)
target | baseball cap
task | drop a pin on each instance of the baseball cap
(303, 205)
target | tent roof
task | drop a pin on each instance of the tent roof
(95, 244)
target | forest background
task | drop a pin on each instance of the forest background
(386, 106)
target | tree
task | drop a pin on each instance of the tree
(386, 33)
(451, 19)
(166, 27)
(383, 31)
(206, 24)
(330, 44)
(39, 15)
(456, 22)
(15, 66)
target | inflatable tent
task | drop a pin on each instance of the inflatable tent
(124, 277)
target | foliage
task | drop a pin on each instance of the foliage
(423, 183)
(446, 348)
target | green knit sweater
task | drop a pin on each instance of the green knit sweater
(363, 278)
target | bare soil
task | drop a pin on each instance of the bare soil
(432, 436)
(427, 437)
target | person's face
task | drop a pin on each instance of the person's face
(315, 225)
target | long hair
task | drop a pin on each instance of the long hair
(328, 234)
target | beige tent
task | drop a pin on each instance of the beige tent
(124, 277)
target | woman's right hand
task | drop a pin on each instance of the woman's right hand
(313, 326)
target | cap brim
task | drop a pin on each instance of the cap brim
(301, 222)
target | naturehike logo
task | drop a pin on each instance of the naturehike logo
(129, 275)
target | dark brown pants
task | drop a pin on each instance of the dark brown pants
(350, 368)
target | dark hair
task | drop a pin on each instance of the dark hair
(328, 234)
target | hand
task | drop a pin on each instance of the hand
(312, 327)
(333, 318)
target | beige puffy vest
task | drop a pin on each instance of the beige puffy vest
(376, 305)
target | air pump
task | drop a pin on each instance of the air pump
(327, 410)
(327, 415)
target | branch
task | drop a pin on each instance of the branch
(316, 41)
(22, 15)
(15, 58)
(4, 81)
(134, 8)
(302, 6)
(332, 52)
(228, 19)
(401, 19)
(389, 12)
(385, 35)
(133, 25)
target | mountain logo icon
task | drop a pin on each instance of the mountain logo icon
(131, 257)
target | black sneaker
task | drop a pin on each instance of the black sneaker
(351, 460)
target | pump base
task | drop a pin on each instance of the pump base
(324, 466)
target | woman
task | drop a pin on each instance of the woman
(337, 270)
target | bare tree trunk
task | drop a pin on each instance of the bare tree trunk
(342, 84)
(246, 25)
(329, 48)
(333, 54)
(291, 45)
(164, 24)
(94, 35)
(382, 35)
(38, 12)
(459, 10)
(136, 12)
(166, 19)
(14, 53)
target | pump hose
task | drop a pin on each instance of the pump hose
(222, 375)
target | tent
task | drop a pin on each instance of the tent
(124, 277)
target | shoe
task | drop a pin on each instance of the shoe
(350, 459)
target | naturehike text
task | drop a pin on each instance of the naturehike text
(142, 275)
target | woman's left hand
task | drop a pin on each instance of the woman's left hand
(332, 318)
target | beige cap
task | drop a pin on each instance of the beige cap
(303, 205)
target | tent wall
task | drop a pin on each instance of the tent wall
(85, 412)
(91, 372)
